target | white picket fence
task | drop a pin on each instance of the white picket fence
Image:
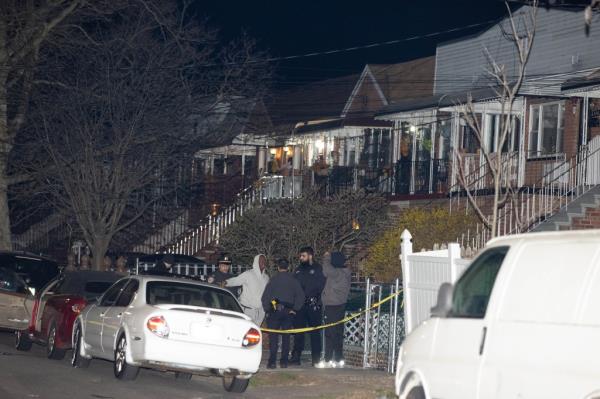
(422, 275)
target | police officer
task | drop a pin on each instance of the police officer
(222, 274)
(164, 266)
(310, 275)
(281, 299)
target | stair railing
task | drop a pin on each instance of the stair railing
(553, 192)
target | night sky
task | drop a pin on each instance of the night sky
(287, 27)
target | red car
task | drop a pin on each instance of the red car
(56, 307)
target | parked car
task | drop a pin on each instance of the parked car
(171, 324)
(56, 307)
(521, 322)
(21, 276)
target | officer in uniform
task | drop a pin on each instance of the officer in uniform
(310, 275)
(281, 299)
(222, 274)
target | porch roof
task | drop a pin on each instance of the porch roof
(582, 84)
(437, 101)
(342, 122)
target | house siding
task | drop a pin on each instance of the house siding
(560, 46)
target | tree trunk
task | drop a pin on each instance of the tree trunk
(5, 147)
(99, 247)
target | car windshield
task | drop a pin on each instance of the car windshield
(171, 292)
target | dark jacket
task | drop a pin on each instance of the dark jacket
(311, 279)
(337, 287)
(284, 288)
(160, 269)
(220, 277)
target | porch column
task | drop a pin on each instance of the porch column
(522, 150)
(432, 153)
(454, 139)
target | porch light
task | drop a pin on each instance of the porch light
(286, 148)
(214, 209)
(273, 151)
(412, 128)
(320, 145)
(355, 225)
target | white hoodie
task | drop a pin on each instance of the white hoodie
(253, 284)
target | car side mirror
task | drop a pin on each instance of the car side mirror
(444, 301)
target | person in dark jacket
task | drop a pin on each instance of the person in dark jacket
(164, 266)
(335, 296)
(281, 299)
(310, 275)
(222, 274)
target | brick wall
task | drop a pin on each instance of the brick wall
(591, 220)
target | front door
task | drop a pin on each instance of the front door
(95, 317)
(113, 316)
(460, 337)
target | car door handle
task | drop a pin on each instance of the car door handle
(482, 343)
(119, 314)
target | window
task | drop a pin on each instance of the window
(472, 291)
(94, 289)
(167, 292)
(128, 293)
(546, 129)
(9, 281)
(110, 297)
(35, 272)
(493, 131)
(469, 142)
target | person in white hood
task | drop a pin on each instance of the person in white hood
(253, 283)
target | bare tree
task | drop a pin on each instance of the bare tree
(116, 118)
(506, 84)
(25, 27)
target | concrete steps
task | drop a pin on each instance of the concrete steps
(576, 209)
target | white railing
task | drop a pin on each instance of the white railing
(190, 269)
(266, 189)
(165, 235)
(559, 186)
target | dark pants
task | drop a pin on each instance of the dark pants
(281, 320)
(334, 336)
(308, 316)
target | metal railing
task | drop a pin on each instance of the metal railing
(208, 232)
(558, 187)
(190, 269)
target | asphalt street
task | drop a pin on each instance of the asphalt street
(26, 375)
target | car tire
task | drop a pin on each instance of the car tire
(416, 393)
(183, 376)
(77, 360)
(22, 341)
(121, 368)
(235, 384)
(51, 350)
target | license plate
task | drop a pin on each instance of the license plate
(205, 332)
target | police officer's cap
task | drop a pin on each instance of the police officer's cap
(225, 259)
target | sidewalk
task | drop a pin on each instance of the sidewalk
(309, 382)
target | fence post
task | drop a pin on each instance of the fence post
(406, 249)
(367, 323)
(453, 255)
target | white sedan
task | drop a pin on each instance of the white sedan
(171, 324)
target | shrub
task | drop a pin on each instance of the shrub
(427, 227)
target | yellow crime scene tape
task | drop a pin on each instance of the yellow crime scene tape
(322, 327)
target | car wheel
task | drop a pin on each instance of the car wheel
(416, 393)
(51, 350)
(122, 369)
(235, 384)
(77, 360)
(183, 376)
(22, 341)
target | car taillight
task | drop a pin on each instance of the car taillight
(158, 325)
(78, 307)
(251, 338)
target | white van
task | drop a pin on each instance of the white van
(522, 322)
